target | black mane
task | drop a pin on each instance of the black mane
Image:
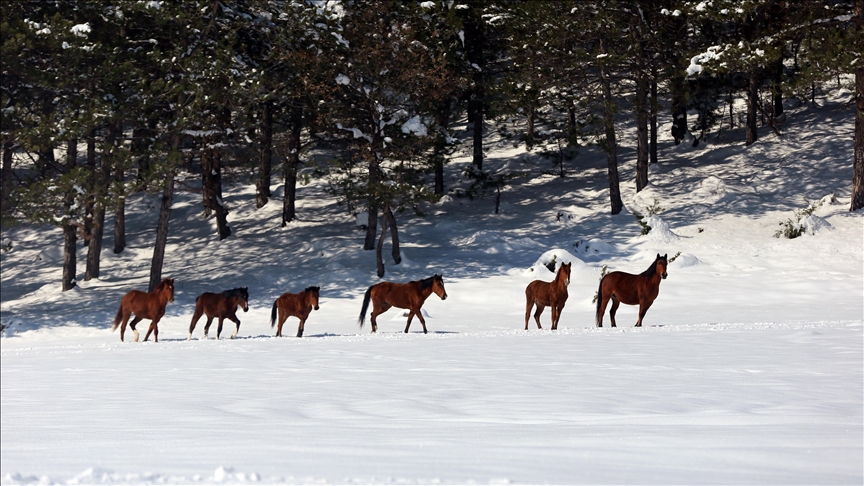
(312, 289)
(240, 291)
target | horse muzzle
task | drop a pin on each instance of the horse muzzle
(445, 297)
(316, 307)
(663, 275)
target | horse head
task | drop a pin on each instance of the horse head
(244, 298)
(564, 273)
(167, 285)
(438, 286)
(662, 263)
(312, 296)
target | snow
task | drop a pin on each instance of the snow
(749, 367)
(415, 126)
(80, 30)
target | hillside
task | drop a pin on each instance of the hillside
(748, 370)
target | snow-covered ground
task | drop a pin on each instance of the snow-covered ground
(748, 370)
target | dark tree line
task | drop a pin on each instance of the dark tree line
(132, 91)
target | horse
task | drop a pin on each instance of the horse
(631, 289)
(145, 305)
(409, 296)
(222, 305)
(553, 294)
(296, 305)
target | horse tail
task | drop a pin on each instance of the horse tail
(273, 314)
(365, 307)
(598, 317)
(117, 318)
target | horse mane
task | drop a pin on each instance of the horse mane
(234, 292)
(312, 289)
(652, 270)
(426, 282)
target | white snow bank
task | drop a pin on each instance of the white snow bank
(660, 231)
(594, 246)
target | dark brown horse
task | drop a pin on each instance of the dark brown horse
(222, 305)
(553, 294)
(626, 288)
(145, 305)
(294, 305)
(409, 296)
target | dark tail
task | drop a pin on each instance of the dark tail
(598, 317)
(365, 307)
(273, 315)
(117, 318)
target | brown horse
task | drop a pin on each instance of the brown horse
(553, 294)
(296, 305)
(145, 305)
(630, 289)
(409, 296)
(222, 305)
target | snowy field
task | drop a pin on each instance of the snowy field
(748, 370)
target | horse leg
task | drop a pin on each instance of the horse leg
(237, 321)
(408, 324)
(283, 316)
(133, 324)
(219, 327)
(154, 329)
(195, 318)
(643, 309)
(123, 324)
(537, 313)
(556, 314)
(613, 309)
(604, 300)
(207, 327)
(377, 310)
(422, 321)
(300, 327)
(528, 307)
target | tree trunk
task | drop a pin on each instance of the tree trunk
(141, 149)
(679, 108)
(94, 249)
(379, 257)
(610, 144)
(211, 173)
(858, 167)
(642, 148)
(292, 164)
(474, 41)
(70, 229)
(5, 200)
(89, 205)
(529, 128)
(752, 106)
(262, 193)
(164, 216)
(119, 209)
(652, 120)
(440, 146)
(394, 235)
(777, 86)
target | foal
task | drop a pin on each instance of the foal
(296, 305)
(222, 305)
(145, 305)
(409, 296)
(626, 288)
(554, 294)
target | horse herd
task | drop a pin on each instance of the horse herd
(617, 287)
